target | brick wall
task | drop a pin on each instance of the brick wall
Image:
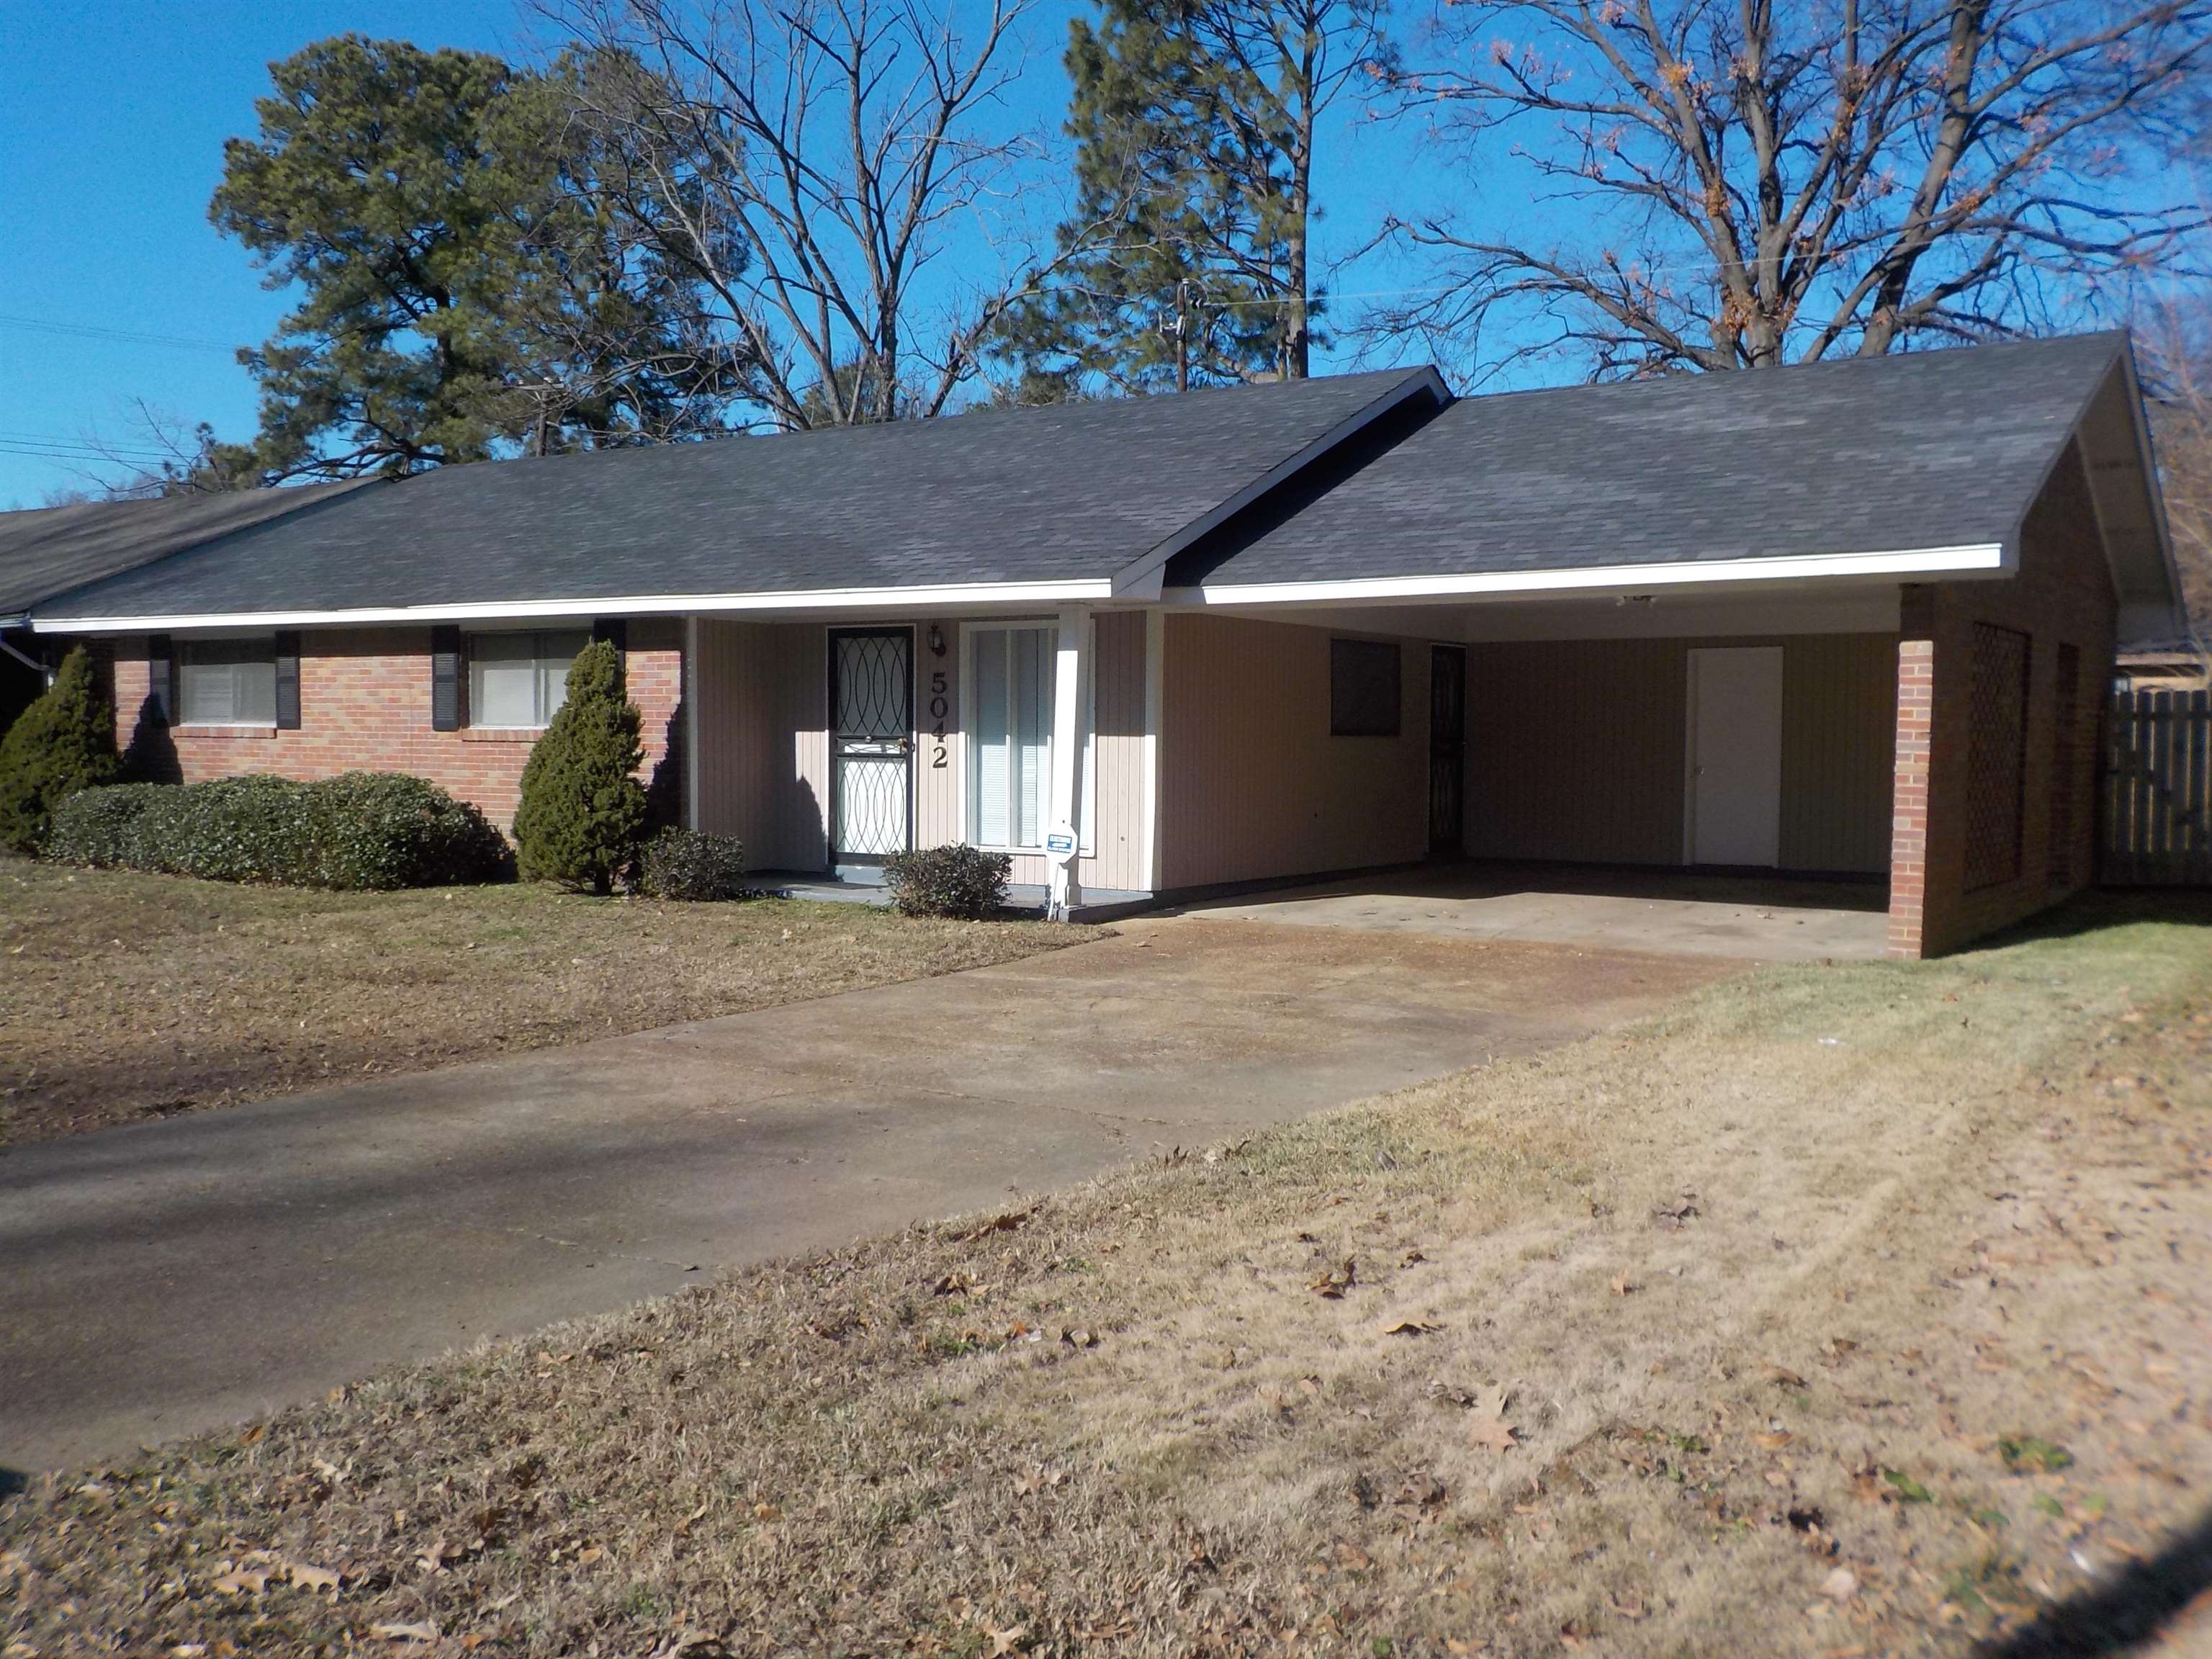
(2061, 594)
(365, 706)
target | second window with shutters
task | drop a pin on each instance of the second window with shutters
(519, 680)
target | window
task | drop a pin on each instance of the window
(520, 679)
(1363, 689)
(1010, 738)
(227, 682)
(1013, 777)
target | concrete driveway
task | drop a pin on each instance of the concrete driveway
(1750, 918)
(176, 1276)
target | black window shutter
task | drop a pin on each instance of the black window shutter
(445, 711)
(161, 677)
(287, 682)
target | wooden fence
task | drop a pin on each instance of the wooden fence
(2156, 827)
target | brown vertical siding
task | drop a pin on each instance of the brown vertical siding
(1838, 737)
(1576, 749)
(762, 752)
(1253, 784)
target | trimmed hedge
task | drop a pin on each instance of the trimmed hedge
(949, 881)
(692, 865)
(361, 831)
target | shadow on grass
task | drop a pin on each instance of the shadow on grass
(2130, 1608)
(12, 1481)
(2103, 909)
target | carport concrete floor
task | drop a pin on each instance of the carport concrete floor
(180, 1275)
(1748, 917)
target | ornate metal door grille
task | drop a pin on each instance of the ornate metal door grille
(870, 742)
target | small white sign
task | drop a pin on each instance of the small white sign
(1060, 843)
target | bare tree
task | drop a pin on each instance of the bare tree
(1751, 182)
(2176, 339)
(812, 163)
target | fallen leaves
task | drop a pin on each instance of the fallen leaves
(1487, 1424)
(1840, 1585)
(1411, 1327)
(2027, 1453)
(425, 1631)
(1335, 1283)
(998, 1224)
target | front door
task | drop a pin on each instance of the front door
(870, 742)
(1447, 750)
(1735, 785)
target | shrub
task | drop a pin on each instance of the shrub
(690, 864)
(63, 743)
(364, 830)
(949, 881)
(582, 807)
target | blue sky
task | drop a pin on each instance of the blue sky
(114, 287)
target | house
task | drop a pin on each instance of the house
(48, 550)
(1855, 618)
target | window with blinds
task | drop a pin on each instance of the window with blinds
(1011, 744)
(520, 679)
(227, 682)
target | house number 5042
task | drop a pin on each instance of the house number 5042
(940, 705)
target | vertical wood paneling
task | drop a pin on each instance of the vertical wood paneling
(1253, 784)
(1575, 750)
(1838, 742)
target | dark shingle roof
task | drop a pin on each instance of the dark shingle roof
(50, 550)
(1071, 492)
(1920, 450)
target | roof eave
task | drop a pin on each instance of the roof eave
(1982, 559)
(876, 600)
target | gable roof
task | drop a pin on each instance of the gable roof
(1917, 461)
(1076, 500)
(47, 550)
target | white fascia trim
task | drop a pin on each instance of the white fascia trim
(1141, 579)
(874, 599)
(1986, 558)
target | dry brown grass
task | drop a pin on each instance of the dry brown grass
(1770, 1285)
(127, 996)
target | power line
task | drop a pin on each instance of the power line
(129, 336)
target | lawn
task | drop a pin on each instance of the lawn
(1840, 1311)
(126, 996)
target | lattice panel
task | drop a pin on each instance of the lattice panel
(1996, 755)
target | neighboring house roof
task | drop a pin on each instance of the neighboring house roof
(1079, 500)
(50, 550)
(1921, 461)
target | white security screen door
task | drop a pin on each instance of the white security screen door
(1735, 793)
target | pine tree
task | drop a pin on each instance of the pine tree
(63, 743)
(582, 809)
(1196, 124)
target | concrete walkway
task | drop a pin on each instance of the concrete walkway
(1746, 917)
(180, 1275)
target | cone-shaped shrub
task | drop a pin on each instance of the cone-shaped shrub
(582, 808)
(63, 743)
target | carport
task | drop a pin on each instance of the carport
(1851, 621)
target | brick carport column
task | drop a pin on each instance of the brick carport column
(1908, 833)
